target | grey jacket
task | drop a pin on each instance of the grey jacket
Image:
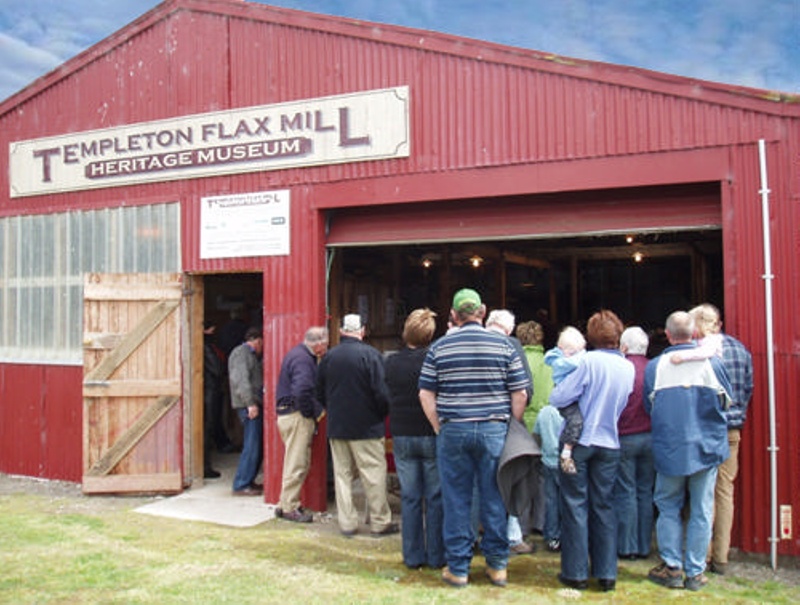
(246, 377)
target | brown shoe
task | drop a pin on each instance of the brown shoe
(454, 580)
(523, 548)
(498, 577)
(671, 577)
(695, 583)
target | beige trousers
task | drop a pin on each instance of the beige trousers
(364, 458)
(723, 501)
(297, 434)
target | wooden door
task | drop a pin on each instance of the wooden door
(132, 416)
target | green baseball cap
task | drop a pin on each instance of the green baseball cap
(466, 300)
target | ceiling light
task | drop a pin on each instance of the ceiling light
(476, 261)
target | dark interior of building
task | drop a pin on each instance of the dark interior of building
(640, 276)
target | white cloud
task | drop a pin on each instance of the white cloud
(19, 53)
(21, 62)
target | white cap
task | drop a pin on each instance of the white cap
(351, 323)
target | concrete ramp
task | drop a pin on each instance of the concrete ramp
(213, 502)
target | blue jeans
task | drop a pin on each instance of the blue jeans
(670, 494)
(421, 500)
(633, 494)
(252, 448)
(588, 520)
(468, 451)
(552, 506)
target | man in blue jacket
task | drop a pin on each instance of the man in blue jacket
(298, 409)
(686, 403)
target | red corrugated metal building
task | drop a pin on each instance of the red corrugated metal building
(370, 145)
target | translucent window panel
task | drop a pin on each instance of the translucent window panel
(146, 252)
(44, 259)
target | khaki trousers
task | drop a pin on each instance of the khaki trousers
(297, 433)
(723, 501)
(365, 458)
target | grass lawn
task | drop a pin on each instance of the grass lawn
(67, 549)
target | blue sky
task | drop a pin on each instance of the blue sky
(747, 42)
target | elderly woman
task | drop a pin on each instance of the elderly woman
(414, 447)
(633, 493)
(601, 385)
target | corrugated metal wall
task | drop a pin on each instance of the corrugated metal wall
(746, 319)
(474, 106)
(40, 421)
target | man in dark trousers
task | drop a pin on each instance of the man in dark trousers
(246, 375)
(351, 386)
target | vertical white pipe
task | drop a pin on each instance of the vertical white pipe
(768, 277)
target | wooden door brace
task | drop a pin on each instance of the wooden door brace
(132, 436)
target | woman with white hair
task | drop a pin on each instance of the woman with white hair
(633, 491)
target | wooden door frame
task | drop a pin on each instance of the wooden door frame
(192, 356)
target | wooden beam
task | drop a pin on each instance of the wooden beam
(162, 483)
(616, 252)
(131, 388)
(193, 405)
(525, 261)
(132, 436)
(127, 292)
(132, 340)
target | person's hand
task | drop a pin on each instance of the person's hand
(252, 412)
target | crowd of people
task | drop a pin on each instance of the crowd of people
(629, 444)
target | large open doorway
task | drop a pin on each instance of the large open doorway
(642, 276)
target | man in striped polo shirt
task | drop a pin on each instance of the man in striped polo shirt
(472, 382)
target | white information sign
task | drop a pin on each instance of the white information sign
(248, 224)
(369, 125)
